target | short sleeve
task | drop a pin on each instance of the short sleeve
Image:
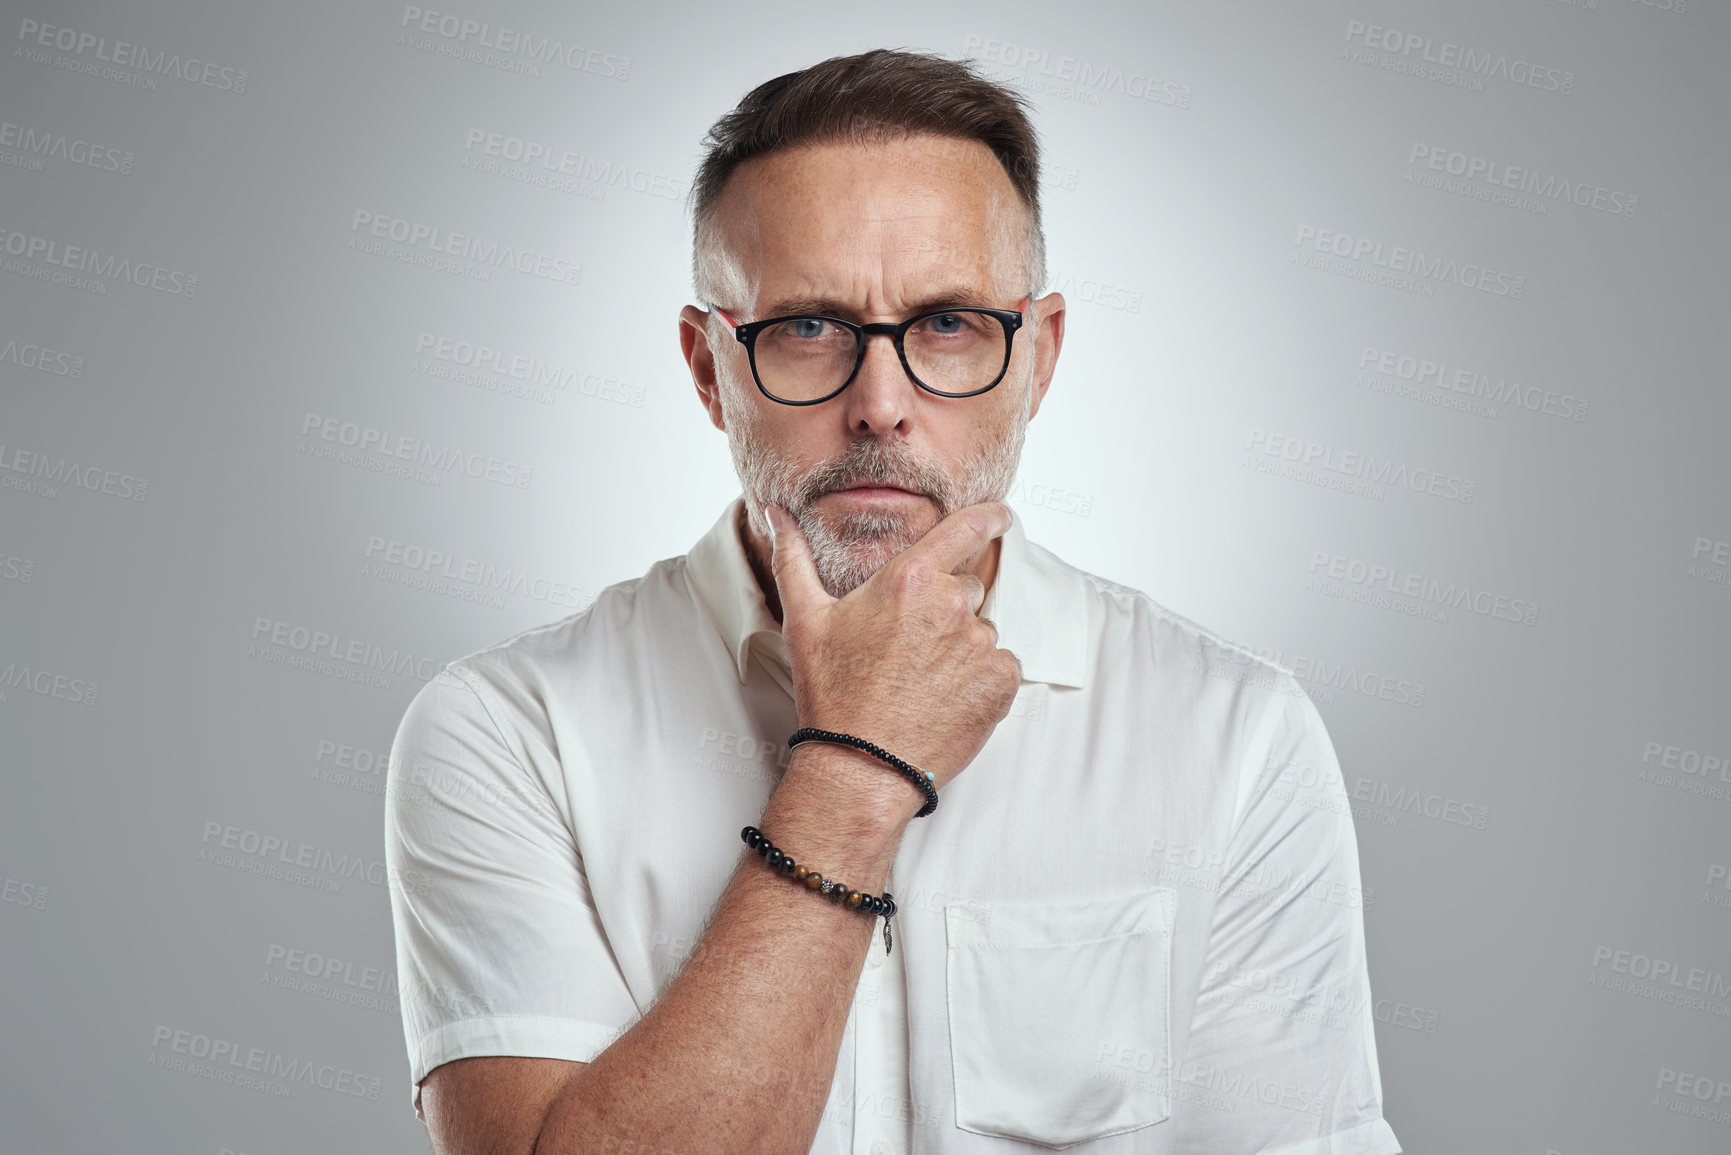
(1282, 1049)
(499, 949)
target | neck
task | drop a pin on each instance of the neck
(983, 565)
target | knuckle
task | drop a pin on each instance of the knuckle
(911, 576)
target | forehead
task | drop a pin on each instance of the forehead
(875, 224)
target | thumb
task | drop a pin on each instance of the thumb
(790, 561)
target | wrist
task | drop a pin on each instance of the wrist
(921, 780)
(875, 792)
(842, 799)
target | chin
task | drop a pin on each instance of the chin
(848, 548)
(878, 529)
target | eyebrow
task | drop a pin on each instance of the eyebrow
(951, 295)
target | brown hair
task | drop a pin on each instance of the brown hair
(875, 95)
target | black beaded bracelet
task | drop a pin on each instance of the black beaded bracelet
(783, 863)
(920, 778)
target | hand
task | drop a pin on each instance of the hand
(904, 660)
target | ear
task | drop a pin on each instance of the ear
(694, 333)
(1048, 340)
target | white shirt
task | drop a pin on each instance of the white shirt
(1133, 924)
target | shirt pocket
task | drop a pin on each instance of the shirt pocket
(1059, 1015)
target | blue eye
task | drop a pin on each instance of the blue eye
(947, 323)
(807, 327)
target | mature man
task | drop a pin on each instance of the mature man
(1134, 923)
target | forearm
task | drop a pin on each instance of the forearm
(739, 1052)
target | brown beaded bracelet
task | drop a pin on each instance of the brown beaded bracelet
(782, 863)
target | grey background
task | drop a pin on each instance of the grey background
(1196, 154)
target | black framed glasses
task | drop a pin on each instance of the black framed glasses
(808, 358)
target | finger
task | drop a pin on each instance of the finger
(976, 591)
(950, 543)
(790, 561)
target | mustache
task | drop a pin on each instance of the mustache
(875, 462)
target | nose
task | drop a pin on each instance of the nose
(882, 396)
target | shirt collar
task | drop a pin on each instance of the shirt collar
(1037, 600)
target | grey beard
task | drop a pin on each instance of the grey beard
(850, 548)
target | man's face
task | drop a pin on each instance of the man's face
(870, 232)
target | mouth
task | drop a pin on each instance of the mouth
(875, 491)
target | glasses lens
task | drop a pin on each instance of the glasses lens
(804, 358)
(956, 352)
